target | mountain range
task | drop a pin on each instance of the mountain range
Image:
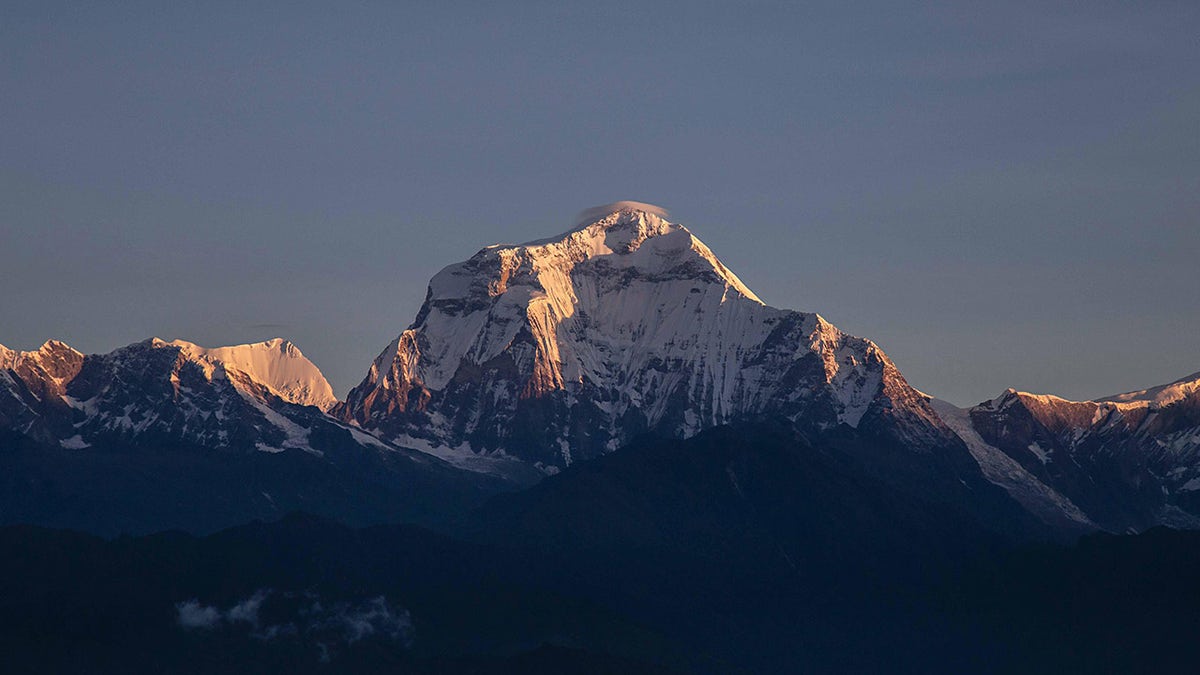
(525, 360)
(596, 452)
(161, 435)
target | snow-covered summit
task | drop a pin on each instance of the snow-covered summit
(276, 364)
(1160, 396)
(51, 352)
(629, 237)
(43, 372)
(562, 348)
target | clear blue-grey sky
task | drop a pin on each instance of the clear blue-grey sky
(999, 194)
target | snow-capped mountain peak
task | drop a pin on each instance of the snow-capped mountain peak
(250, 395)
(1160, 396)
(46, 356)
(561, 348)
(630, 238)
(43, 372)
(275, 364)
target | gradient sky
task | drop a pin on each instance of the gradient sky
(999, 195)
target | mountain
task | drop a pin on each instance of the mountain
(34, 383)
(707, 484)
(526, 360)
(563, 349)
(169, 434)
(1038, 498)
(241, 396)
(1128, 462)
(276, 364)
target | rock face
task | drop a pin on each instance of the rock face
(1129, 461)
(563, 349)
(35, 383)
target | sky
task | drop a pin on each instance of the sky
(998, 194)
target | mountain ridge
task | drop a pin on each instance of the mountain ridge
(171, 435)
(526, 359)
(1129, 461)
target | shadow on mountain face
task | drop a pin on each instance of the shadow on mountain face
(770, 549)
(160, 484)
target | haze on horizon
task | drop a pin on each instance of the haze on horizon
(1000, 196)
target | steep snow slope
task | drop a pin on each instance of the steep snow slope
(1159, 396)
(276, 364)
(565, 348)
(1037, 497)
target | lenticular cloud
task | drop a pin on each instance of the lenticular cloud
(595, 213)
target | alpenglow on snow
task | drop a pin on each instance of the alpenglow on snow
(565, 348)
